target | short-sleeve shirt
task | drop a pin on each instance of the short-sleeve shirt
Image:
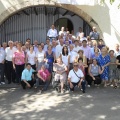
(31, 57)
(118, 58)
(27, 74)
(19, 58)
(40, 56)
(73, 76)
(44, 74)
(59, 67)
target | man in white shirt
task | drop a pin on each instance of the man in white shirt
(9, 51)
(52, 33)
(76, 46)
(80, 34)
(76, 78)
(62, 31)
(117, 50)
(2, 65)
(59, 47)
(72, 57)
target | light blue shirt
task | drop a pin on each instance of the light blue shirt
(27, 74)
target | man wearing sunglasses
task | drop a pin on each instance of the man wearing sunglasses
(76, 78)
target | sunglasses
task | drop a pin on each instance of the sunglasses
(75, 65)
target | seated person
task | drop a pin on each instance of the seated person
(27, 77)
(76, 78)
(94, 72)
(60, 72)
(43, 78)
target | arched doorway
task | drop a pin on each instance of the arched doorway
(64, 22)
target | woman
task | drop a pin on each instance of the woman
(60, 72)
(81, 55)
(39, 57)
(31, 57)
(43, 78)
(94, 72)
(112, 68)
(81, 65)
(104, 60)
(50, 57)
(96, 54)
(18, 62)
(64, 55)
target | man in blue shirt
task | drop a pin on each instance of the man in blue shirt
(26, 78)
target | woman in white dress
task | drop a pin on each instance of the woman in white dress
(64, 56)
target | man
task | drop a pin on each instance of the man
(62, 31)
(94, 35)
(4, 45)
(52, 33)
(86, 49)
(54, 44)
(27, 77)
(72, 57)
(46, 45)
(101, 44)
(35, 45)
(9, 51)
(117, 50)
(2, 65)
(76, 46)
(59, 47)
(80, 34)
(76, 78)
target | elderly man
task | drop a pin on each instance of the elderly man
(94, 35)
(9, 51)
(76, 78)
(52, 33)
(27, 77)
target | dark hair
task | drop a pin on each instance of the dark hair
(28, 64)
(111, 51)
(95, 59)
(80, 59)
(63, 52)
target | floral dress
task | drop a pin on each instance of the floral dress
(103, 61)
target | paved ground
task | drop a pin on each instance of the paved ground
(97, 104)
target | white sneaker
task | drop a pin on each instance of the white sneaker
(88, 86)
(2, 83)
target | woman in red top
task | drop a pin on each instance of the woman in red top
(43, 77)
(18, 62)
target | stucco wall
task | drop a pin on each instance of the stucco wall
(106, 16)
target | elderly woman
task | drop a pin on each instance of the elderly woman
(60, 72)
(94, 72)
(104, 61)
(50, 58)
(43, 78)
(18, 62)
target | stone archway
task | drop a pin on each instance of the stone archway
(14, 7)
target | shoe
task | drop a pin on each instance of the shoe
(62, 92)
(88, 86)
(2, 83)
(83, 91)
(40, 91)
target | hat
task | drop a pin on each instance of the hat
(83, 39)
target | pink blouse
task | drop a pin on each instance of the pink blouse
(44, 74)
(19, 58)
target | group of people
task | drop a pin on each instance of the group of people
(76, 60)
